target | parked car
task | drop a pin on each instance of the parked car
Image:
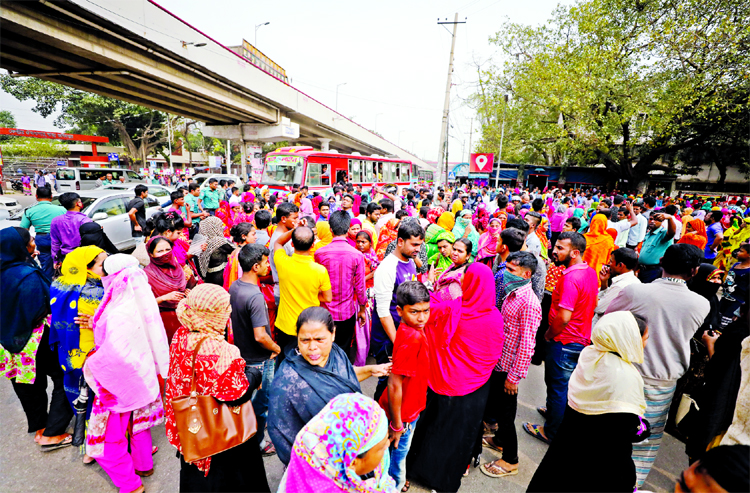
(159, 192)
(74, 179)
(11, 205)
(202, 179)
(109, 209)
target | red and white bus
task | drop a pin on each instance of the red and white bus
(319, 170)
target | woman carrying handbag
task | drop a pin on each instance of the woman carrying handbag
(215, 369)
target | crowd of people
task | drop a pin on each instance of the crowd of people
(288, 300)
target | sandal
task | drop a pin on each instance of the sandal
(406, 487)
(536, 432)
(145, 474)
(154, 449)
(65, 442)
(87, 461)
(268, 450)
(490, 443)
(467, 470)
(543, 411)
(495, 470)
(489, 429)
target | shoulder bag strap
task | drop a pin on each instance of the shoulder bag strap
(192, 375)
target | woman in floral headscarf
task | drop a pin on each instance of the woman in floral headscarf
(213, 259)
(463, 225)
(387, 234)
(220, 373)
(344, 443)
(434, 214)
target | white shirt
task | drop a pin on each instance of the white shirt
(678, 230)
(638, 232)
(622, 228)
(234, 199)
(607, 296)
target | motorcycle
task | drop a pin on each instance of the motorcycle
(16, 185)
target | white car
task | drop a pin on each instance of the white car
(159, 192)
(202, 179)
(10, 204)
(109, 209)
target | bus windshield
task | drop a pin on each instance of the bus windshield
(282, 170)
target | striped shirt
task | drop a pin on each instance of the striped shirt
(522, 314)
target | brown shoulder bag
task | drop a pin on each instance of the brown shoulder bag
(207, 426)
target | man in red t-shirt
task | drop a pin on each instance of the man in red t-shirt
(407, 386)
(573, 302)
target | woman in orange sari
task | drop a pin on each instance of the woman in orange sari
(599, 243)
(695, 233)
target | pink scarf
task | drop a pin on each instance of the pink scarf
(488, 240)
(131, 348)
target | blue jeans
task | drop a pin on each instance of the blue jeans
(398, 455)
(260, 399)
(559, 364)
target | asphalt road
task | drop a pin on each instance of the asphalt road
(24, 468)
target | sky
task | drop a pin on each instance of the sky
(390, 56)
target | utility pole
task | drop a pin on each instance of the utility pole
(169, 138)
(443, 149)
(471, 134)
(502, 137)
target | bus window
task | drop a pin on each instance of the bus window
(405, 172)
(398, 171)
(282, 170)
(325, 175)
(380, 176)
(368, 171)
(313, 174)
(354, 168)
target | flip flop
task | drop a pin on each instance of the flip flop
(65, 442)
(489, 443)
(543, 411)
(503, 472)
(534, 430)
(154, 449)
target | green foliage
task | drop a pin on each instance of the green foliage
(34, 148)
(7, 120)
(625, 83)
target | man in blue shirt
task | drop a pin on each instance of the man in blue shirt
(40, 216)
(657, 240)
(714, 232)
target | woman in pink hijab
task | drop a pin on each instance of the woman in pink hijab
(305, 207)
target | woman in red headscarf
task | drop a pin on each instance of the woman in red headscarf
(167, 281)
(465, 338)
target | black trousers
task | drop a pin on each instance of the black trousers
(33, 396)
(283, 340)
(345, 335)
(540, 345)
(503, 406)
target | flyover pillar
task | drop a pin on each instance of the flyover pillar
(324, 144)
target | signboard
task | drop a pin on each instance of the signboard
(39, 134)
(481, 163)
(62, 163)
(451, 175)
(479, 175)
(255, 160)
(113, 156)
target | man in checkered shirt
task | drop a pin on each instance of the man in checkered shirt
(522, 314)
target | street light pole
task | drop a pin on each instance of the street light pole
(256, 32)
(337, 94)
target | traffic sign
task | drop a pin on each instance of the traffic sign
(451, 175)
(62, 163)
(113, 156)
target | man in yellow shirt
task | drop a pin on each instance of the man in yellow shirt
(302, 284)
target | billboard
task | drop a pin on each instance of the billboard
(481, 163)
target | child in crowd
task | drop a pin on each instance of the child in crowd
(407, 385)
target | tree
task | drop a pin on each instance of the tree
(624, 83)
(7, 120)
(23, 147)
(141, 130)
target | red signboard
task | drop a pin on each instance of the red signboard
(40, 134)
(481, 163)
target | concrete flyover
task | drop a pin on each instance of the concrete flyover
(137, 51)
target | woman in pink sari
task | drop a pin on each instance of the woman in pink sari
(465, 341)
(354, 227)
(488, 242)
(123, 371)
